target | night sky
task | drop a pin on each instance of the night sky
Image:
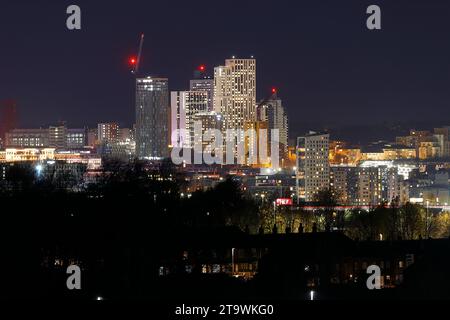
(329, 68)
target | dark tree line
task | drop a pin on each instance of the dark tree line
(384, 222)
(121, 228)
(118, 229)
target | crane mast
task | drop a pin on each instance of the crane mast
(136, 66)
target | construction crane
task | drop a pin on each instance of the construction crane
(136, 61)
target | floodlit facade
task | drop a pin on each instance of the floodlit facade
(390, 154)
(92, 162)
(341, 154)
(257, 144)
(235, 92)
(29, 154)
(433, 147)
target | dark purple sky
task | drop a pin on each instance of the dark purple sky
(330, 70)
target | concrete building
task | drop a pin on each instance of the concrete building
(271, 111)
(92, 137)
(108, 132)
(204, 84)
(431, 148)
(343, 183)
(209, 121)
(389, 153)
(185, 105)
(57, 136)
(313, 167)
(343, 154)
(369, 187)
(27, 138)
(414, 139)
(438, 193)
(76, 138)
(126, 134)
(444, 132)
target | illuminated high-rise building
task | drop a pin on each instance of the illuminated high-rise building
(445, 133)
(257, 146)
(313, 166)
(92, 137)
(204, 83)
(76, 138)
(344, 183)
(271, 111)
(414, 139)
(57, 136)
(152, 118)
(126, 134)
(235, 92)
(108, 132)
(212, 122)
(184, 106)
(370, 187)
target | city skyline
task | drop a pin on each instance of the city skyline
(324, 59)
(191, 154)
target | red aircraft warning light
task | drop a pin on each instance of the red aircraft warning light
(274, 90)
(202, 68)
(133, 60)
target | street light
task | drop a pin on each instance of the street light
(38, 169)
(275, 212)
(426, 219)
(232, 261)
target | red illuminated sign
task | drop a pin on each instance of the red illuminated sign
(284, 202)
